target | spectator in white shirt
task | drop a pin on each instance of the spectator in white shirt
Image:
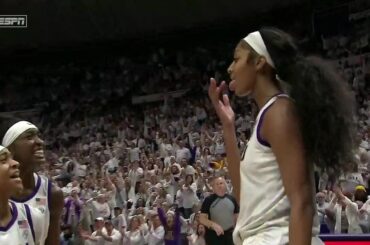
(101, 207)
(343, 214)
(135, 173)
(95, 238)
(80, 168)
(134, 152)
(197, 238)
(156, 232)
(134, 235)
(321, 205)
(119, 220)
(188, 169)
(182, 152)
(110, 235)
(206, 158)
(186, 196)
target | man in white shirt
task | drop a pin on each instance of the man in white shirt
(119, 220)
(100, 206)
(134, 152)
(189, 170)
(94, 238)
(80, 169)
(110, 235)
(136, 172)
(321, 205)
(182, 152)
(155, 235)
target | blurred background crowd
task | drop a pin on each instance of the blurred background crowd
(127, 134)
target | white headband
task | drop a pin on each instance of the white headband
(15, 131)
(255, 40)
(1, 148)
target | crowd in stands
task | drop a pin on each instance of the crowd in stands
(120, 164)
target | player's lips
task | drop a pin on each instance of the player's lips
(15, 176)
(39, 154)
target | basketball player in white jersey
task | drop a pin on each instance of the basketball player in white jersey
(273, 179)
(18, 222)
(22, 140)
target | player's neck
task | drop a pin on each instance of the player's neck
(28, 180)
(29, 184)
(5, 213)
(264, 90)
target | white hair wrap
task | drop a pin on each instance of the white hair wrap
(15, 131)
(255, 40)
(1, 148)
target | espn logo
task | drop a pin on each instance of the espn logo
(13, 21)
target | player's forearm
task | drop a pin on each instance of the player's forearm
(301, 220)
(233, 158)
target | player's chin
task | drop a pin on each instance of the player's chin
(39, 161)
(241, 93)
(15, 185)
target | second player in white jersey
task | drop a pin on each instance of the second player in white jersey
(23, 226)
(39, 200)
(18, 222)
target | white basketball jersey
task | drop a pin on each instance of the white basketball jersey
(264, 206)
(20, 230)
(39, 200)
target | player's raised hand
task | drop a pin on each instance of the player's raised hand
(221, 104)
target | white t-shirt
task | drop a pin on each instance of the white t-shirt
(187, 198)
(80, 170)
(134, 238)
(219, 148)
(122, 221)
(189, 170)
(321, 210)
(100, 210)
(182, 153)
(134, 154)
(196, 240)
(99, 241)
(156, 237)
(115, 235)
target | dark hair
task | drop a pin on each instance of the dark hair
(360, 195)
(129, 205)
(140, 205)
(324, 104)
(137, 187)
